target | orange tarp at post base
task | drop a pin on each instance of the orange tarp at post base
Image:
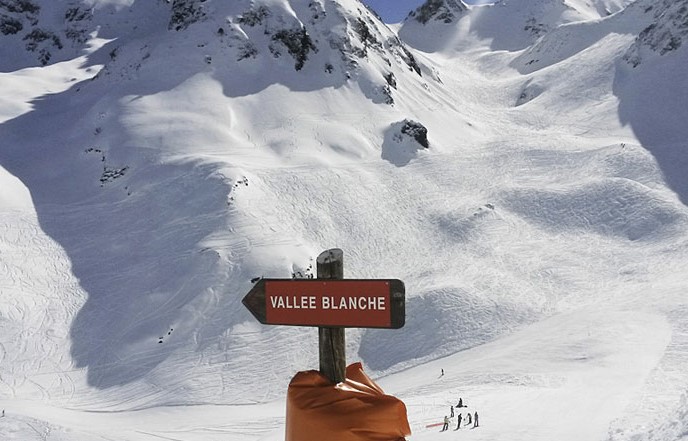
(354, 410)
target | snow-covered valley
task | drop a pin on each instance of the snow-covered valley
(149, 172)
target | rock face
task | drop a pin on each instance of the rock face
(416, 131)
(343, 28)
(42, 33)
(667, 32)
(403, 142)
(335, 40)
(185, 13)
(439, 10)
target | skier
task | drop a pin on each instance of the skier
(458, 424)
(460, 403)
(475, 419)
(451, 410)
(446, 424)
(468, 418)
(442, 374)
(3, 413)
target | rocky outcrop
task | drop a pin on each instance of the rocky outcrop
(667, 32)
(185, 13)
(21, 25)
(439, 10)
(355, 36)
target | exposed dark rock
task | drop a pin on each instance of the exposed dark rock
(411, 61)
(391, 80)
(38, 36)
(254, 17)
(417, 131)
(439, 10)
(298, 44)
(387, 93)
(79, 36)
(10, 25)
(110, 174)
(667, 33)
(534, 28)
(20, 6)
(248, 50)
(185, 13)
(76, 14)
(365, 35)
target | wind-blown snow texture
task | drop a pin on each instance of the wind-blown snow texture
(521, 166)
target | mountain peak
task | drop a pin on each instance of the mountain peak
(327, 41)
(438, 10)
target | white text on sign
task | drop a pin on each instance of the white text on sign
(362, 303)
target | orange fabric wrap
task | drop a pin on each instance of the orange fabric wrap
(354, 410)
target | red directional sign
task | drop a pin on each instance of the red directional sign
(355, 303)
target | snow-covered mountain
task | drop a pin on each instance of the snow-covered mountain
(510, 25)
(165, 150)
(519, 165)
(445, 11)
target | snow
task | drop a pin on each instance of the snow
(541, 236)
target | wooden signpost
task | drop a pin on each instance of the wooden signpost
(332, 303)
(348, 303)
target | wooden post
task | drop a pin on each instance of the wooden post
(332, 345)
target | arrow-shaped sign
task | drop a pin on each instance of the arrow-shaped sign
(355, 303)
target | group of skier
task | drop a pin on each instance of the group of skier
(469, 418)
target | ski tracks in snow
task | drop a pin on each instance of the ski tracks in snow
(34, 315)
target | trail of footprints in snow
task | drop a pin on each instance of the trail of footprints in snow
(109, 173)
(241, 182)
(161, 339)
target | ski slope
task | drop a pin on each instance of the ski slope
(541, 237)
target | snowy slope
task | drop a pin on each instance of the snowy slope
(644, 64)
(159, 211)
(196, 145)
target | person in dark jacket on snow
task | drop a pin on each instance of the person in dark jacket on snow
(458, 424)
